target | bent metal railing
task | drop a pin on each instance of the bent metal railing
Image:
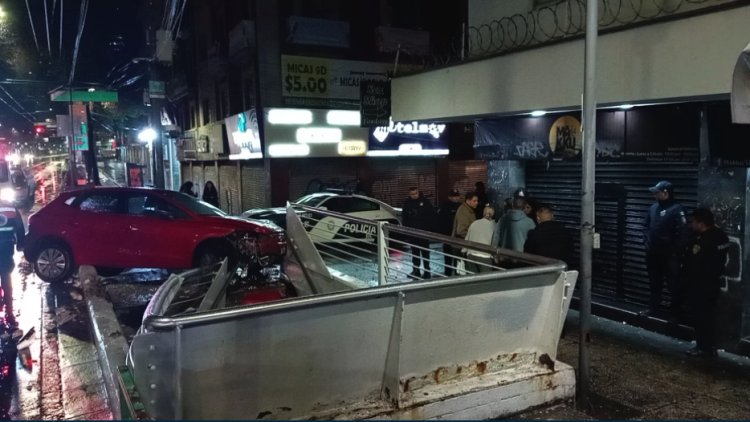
(359, 351)
(379, 253)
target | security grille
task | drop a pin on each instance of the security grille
(622, 200)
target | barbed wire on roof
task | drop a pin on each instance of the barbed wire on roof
(554, 22)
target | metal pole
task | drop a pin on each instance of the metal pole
(72, 167)
(92, 162)
(587, 200)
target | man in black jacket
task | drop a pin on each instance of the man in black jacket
(702, 267)
(446, 215)
(549, 238)
(419, 213)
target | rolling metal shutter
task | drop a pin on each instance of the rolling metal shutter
(394, 177)
(197, 178)
(229, 188)
(187, 173)
(622, 200)
(253, 185)
(311, 175)
(463, 175)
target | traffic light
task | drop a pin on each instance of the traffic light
(39, 129)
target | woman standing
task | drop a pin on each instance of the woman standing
(210, 194)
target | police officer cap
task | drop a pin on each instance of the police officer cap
(520, 193)
(662, 185)
(454, 193)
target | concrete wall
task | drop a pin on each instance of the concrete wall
(687, 58)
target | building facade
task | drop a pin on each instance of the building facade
(664, 76)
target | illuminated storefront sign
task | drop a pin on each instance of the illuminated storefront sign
(409, 138)
(243, 135)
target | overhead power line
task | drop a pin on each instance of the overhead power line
(62, 8)
(178, 24)
(15, 110)
(14, 100)
(46, 25)
(31, 21)
(81, 25)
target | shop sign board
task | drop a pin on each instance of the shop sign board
(327, 79)
(375, 102)
(667, 133)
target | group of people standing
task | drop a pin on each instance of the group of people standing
(210, 193)
(473, 219)
(688, 259)
(689, 263)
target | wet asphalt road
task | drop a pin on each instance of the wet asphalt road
(20, 378)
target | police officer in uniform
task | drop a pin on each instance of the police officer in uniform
(664, 237)
(702, 267)
(12, 233)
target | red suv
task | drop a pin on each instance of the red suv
(115, 228)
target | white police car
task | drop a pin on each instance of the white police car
(329, 229)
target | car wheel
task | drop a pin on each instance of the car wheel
(53, 262)
(208, 256)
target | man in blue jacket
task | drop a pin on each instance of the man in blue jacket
(513, 227)
(664, 238)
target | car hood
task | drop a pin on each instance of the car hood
(239, 223)
(278, 210)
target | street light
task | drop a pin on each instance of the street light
(147, 135)
(2, 13)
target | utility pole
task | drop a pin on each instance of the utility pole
(587, 201)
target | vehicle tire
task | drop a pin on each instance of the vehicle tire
(208, 256)
(53, 262)
(108, 271)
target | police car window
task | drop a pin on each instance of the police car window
(311, 200)
(361, 204)
(337, 204)
(100, 203)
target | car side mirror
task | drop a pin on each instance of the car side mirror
(323, 207)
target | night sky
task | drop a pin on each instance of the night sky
(112, 35)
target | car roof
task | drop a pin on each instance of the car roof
(349, 195)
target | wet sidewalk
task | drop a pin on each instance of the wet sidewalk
(638, 374)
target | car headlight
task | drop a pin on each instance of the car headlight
(7, 195)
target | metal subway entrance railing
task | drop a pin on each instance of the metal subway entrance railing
(451, 347)
(371, 253)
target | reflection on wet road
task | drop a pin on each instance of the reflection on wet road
(19, 370)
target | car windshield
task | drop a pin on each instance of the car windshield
(194, 205)
(311, 200)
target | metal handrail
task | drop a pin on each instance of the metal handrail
(156, 322)
(437, 237)
(155, 318)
